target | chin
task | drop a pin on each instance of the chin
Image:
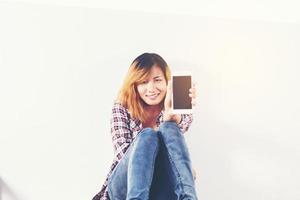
(153, 103)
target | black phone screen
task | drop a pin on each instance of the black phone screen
(181, 86)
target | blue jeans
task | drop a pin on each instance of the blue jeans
(156, 166)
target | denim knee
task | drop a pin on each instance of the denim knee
(167, 128)
(148, 135)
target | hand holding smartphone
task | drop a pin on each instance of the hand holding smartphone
(181, 101)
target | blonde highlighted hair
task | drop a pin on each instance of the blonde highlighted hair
(138, 71)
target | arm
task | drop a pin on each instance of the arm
(120, 130)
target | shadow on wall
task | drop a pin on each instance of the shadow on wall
(5, 191)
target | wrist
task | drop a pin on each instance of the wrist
(172, 117)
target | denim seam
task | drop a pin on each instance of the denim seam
(110, 180)
(177, 171)
(109, 192)
(116, 167)
(113, 174)
(154, 159)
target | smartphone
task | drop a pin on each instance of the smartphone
(181, 101)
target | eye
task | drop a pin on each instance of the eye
(158, 80)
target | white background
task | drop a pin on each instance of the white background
(62, 63)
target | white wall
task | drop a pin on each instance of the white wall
(266, 10)
(61, 67)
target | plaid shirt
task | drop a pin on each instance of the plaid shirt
(124, 129)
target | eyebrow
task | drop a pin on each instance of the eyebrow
(157, 76)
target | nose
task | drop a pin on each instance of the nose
(150, 86)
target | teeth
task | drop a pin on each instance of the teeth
(152, 96)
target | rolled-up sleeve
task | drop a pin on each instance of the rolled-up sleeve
(185, 123)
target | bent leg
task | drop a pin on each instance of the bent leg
(127, 174)
(179, 159)
(141, 165)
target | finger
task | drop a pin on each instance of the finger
(192, 90)
(192, 95)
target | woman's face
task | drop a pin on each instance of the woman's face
(154, 88)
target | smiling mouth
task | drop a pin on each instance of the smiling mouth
(152, 96)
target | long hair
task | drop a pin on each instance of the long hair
(138, 71)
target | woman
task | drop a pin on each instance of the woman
(151, 156)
